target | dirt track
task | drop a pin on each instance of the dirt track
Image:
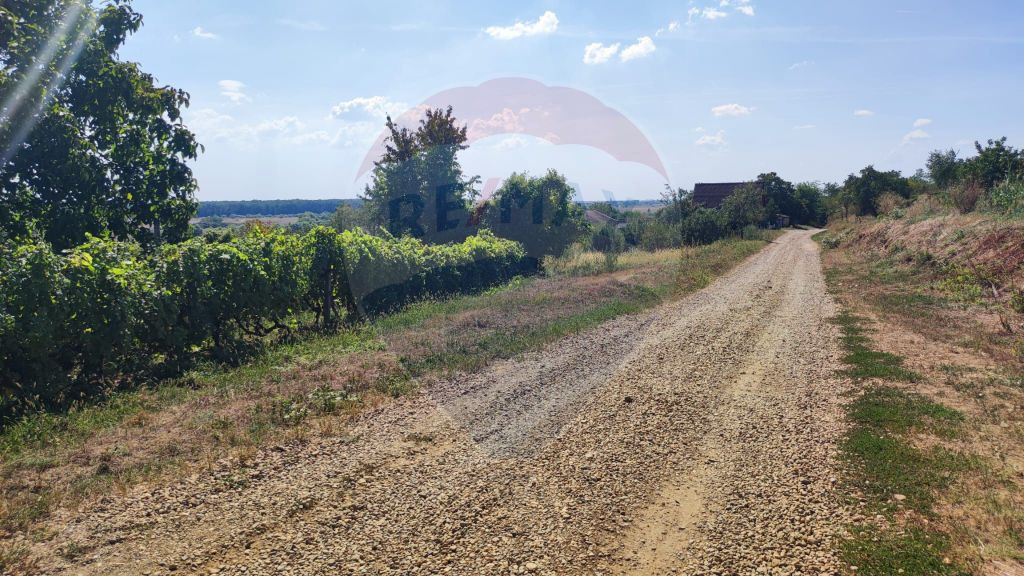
(697, 439)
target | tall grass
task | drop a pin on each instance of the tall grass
(578, 261)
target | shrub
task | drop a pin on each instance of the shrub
(1017, 301)
(965, 196)
(1008, 196)
(69, 320)
(74, 323)
(891, 205)
(610, 242)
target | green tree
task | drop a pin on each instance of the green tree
(90, 144)
(393, 198)
(349, 217)
(744, 207)
(702, 226)
(812, 203)
(994, 163)
(418, 186)
(944, 167)
(538, 212)
(779, 197)
(865, 190)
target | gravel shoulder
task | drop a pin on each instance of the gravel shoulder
(695, 439)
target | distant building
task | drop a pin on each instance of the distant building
(712, 195)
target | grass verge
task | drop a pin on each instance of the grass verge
(892, 477)
(932, 456)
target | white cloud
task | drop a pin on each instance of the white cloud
(211, 125)
(644, 47)
(200, 32)
(801, 64)
(355, 134)
(731, 110)
(712, 141)
(916, 134)
(598, 53)
(742, 6)
(922, 122)
(672, 27)
(233, 90)
(712, 14)
(306, 25)
(546, 24)
(804, 127)
(863, 113)
(375, 106)
(510, 143)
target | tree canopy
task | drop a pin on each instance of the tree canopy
(865, 189)
(91, 144)
(539, 212)
(418, 186)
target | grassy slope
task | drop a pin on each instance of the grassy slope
(314, 386)
(934, 449)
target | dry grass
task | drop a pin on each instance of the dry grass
(896, 274)
(580, 262)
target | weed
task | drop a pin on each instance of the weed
(1018, 349)
(1017, 301)
(892, 410)
(865, 363)
(909, 552)
(22, 509)
(907, 302)
(395, 385)
(286, 411)
(831, 242)
(326, 400)
(966, 284)
(885, 466)
(966, 196)
(13, 556)
(71, 550)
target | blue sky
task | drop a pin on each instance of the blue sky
(288, 97)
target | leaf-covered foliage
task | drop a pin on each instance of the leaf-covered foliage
(418, 187)
(73, 322)
(539, 212)
(90, 144)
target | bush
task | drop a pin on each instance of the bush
(75, 323)
(965, 196)
(1008, 196)
(610, 242)
(891, 205)
(69, 319)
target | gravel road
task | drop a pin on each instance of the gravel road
(695, 439)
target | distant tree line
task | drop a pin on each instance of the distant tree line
(993, 178)
(271, 207)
